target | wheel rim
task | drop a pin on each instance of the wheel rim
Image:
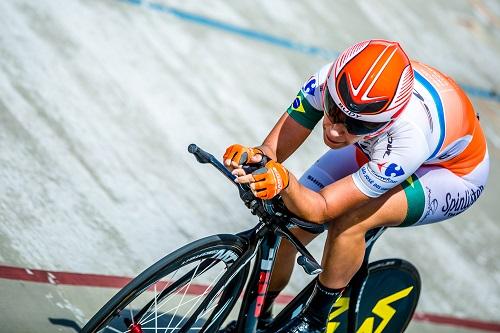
(167, 304)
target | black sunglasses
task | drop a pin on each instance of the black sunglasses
(353, 126)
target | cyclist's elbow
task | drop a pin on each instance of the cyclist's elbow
(317, 212)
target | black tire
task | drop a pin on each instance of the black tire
(198, 260)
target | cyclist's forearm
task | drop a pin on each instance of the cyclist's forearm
(331, 202)
(305, 203)
(284, 139)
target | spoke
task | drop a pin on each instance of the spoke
(165, 299)
(213, 307)
(115, 330)
(177, 306)
(195, 299)
(207, 289)
(165, 287)
(171, 292)
(162, 297)
(204, 293)
(170, 279)
(156, 312)
(223, 308)
(183, 295)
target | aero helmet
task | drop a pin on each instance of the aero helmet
(371, 83)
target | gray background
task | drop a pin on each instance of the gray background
(99, 100)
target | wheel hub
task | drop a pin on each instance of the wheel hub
(135, 328)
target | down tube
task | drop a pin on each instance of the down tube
(259, 282)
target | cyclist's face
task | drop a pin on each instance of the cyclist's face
(352, 125)
(336, 136)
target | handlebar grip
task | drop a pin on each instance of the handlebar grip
(204, 157)
(201, 155)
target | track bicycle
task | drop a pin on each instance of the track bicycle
(196, 287)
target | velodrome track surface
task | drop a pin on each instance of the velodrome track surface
(48, 297)
(99, 100)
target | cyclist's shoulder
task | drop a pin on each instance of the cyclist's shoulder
(312, 89)
(307, 108)
(452, 118)
(433, 85)
(426, 71)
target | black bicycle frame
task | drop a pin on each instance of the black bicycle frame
(262, 244)
(259, 279)
(247, 318)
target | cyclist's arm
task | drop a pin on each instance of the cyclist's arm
(286, 136)
(331, 202)
(298, 121)
(373, 179)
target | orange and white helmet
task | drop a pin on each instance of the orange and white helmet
(371, 83)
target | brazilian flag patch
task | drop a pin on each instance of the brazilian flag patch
(297, 104)
(303, 112)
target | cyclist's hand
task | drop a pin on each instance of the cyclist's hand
(268, 181)
(236, 155)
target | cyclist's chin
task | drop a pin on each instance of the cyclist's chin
(335, 145)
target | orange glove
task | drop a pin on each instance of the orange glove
(270, 180)
(240, 154)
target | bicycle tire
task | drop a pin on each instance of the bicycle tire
(211, 252)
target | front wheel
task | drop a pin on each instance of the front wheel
(186, 291)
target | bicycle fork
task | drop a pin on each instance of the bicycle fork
(258, 285)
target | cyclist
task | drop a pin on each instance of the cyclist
(406, 149)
